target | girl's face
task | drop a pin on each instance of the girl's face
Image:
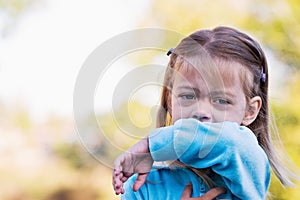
(213, 100)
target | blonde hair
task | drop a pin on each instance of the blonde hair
(229, 45)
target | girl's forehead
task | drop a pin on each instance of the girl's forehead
(213, 73)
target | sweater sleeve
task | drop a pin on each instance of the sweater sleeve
(232, 151)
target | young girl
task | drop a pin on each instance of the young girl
(213, 125)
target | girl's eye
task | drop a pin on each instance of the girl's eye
(221, 101)
(187, 96)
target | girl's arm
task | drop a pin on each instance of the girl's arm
(231, 151)
(138, 160)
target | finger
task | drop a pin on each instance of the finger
(116, 177)
(140, 180)
(119, 189)
(124, 179)
(117, 183)
(212, 193)
(187, 191)
(116, 172)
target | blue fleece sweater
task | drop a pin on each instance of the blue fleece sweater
(232, 152)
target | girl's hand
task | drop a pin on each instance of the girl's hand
(211, 194)
(136, 160)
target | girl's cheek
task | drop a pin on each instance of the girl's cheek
(227, 115)
(218, 116)
(183, 111)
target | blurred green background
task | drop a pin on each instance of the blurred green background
(43, 44)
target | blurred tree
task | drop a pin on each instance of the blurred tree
(10, 12)
(119, 129)
(287, 117)
(15, 115)
(107, 136)
(74, 154)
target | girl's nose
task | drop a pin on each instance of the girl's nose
(202, 111)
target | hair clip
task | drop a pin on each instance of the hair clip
(170, 51)
(262, 75)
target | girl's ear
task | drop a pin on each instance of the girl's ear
(252, 111)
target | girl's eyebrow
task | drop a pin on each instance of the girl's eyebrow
(222, 93)
(184, 86)
(188, 87)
